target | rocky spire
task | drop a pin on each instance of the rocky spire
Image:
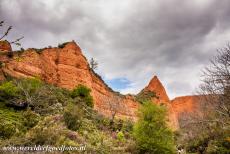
(156, 86)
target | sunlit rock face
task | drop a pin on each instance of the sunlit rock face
(184, 106)
(65, 67)
(156, 86)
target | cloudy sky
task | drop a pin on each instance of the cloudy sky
(132, 40)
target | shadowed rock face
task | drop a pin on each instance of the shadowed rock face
(67, 67)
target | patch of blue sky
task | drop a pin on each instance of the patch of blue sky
(118, 84)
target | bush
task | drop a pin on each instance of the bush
(42, 98)
(8, 90)
(30, 85)
(7, 129)
(151, 132)
(11, 122)
(31, 118)
(72, 117)
(62, 45)
(46, 132)
(120, 136)
(220, 147)
(127, 126)
(83, 93)
(145, 96)
(97, 141)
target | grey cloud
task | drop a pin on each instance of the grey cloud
(131, 39)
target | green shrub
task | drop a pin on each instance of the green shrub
(97, 141)
(220, 147)
(46, 132)
(11, 122)
(72, 117)
(8, 90)
(42, 98)
(83, 93)
(62, 45)
(145, 96)
(127, 126)
(151, 132)
(30, 85)
(120, 136)
(31, 118)
(7, 129)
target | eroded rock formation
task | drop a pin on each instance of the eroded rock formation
(156, 87)
(67, 67)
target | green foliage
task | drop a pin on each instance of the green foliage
(145, 96)
(10, 121)
(120, 136)
(127, 126)
(151, 132)
(8, 89)
(48, 120)
(6, 129)
(41, 97)
(212, 139)
(31, 118)
(30, 85)
(221, 147)
(97, 141)
(62, 45)
(216, 142)
(72, 117)
(49, 131)
(83, 93)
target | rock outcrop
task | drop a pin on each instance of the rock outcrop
(64, 67)
(156, 86)
(67, 67)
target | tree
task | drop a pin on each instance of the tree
(114, 105)
(83, 93)
(93, 64)
(151, 132)
(16, 41)
(215, 108)
(73, 117)
(216, 85)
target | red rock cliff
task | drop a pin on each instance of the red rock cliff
(186, 105)
(67, 67)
